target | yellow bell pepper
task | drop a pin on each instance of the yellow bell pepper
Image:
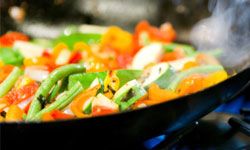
(14, 113)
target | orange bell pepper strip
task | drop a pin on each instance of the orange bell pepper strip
(77, 105)
(57, 50)
(47, 117)
(191, 84)
(14, 113)
(5, 71)
(1, 119)
(117, 39)
(176, 54)
(157, 95)
(4, 103)
(198, 82)
(189, 65)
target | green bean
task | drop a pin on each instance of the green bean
(62, 102)
(201, 69)
(48, 83)
(9, 82)
(54, 92)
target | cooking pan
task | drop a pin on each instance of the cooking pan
(126, 128)
(119, 131)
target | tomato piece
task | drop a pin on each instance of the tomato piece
(145, 33)
(102, 110)
(8, 39)
(75, 57)
(124, 60)
(46, 54)
(24, 89)
(57, 114)
(27, 107)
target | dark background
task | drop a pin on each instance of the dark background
(182, 14)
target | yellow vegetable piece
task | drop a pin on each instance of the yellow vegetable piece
(14, 113)
(117, 39)
(157, 95)
(215, 78)
(111, 84)
(1, 63)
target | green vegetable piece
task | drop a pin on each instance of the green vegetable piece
(70, 40)
(200, 69)
(47, 84)
(9, 82)
(10, 56)
(189, 50)
(88, 106)
(87, 78)
(127, 75)
(160, 74)
(128, 94)
(45, 43)
(54, 92)
(215, 52)
(61, 103)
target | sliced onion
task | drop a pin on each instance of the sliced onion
(37, 73)
(24, 103)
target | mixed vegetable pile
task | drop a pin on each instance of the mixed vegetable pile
(102, 70)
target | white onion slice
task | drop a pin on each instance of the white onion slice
(37, 73)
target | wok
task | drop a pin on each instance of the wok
(126, 128)
(118, 131)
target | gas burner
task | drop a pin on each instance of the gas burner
(214, 131)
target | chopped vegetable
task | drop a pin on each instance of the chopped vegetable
(60, 103)
(117, 71)
(10, 56)
(9, 82)
(201, 69)
(129, 94)
(47, 84)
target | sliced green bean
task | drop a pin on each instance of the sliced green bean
(201, 69)
(62, 102)
(48, 83)
(9, 82)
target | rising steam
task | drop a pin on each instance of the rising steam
(228, 28)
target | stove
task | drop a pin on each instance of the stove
(228, 127)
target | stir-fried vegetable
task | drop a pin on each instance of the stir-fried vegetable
(93, 71)
(7, 84)
(46, 86)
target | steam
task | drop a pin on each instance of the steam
(228, 28)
